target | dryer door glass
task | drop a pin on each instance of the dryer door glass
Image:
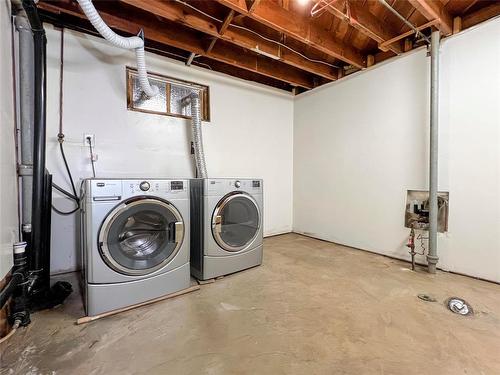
(236, 221)
(141, 236)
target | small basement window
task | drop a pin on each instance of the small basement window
(168, 102)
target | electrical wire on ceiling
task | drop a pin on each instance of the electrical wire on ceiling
(259, 35)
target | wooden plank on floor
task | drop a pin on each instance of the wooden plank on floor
(88, 319)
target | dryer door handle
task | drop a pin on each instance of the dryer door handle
(179, 231)
(218, 224)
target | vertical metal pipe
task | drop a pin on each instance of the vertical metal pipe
(432, 257)
(26, 110)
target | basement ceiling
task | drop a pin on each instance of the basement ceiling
(294, 45)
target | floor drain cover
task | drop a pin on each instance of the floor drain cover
(426, 298)
(459, 306)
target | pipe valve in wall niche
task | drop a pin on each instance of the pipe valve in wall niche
(417, 210)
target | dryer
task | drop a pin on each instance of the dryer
(135, 241)
(226, 225)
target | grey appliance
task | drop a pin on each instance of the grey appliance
(135, 241)
(226, 225)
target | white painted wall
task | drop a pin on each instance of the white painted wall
(250, 133)
(359, 144)
(9, 222)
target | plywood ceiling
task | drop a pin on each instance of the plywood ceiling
(293, 45)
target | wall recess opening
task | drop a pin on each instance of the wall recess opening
(417, 210)
(168, 102)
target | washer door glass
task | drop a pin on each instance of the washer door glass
(236, 221)
(141, 236)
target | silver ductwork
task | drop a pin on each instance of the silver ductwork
(134, 42)
(199, 154)
(194, 101)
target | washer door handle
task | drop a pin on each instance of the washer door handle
(179, 231)
(218, 224)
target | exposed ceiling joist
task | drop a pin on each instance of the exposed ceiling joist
(192, 19)
(435, 10)
(408, 33)
(481, 15)
(365, 22)
(300, 28)
(211, 45)
(252, 5)
(277, 42)
(163, 33)
(227, 22)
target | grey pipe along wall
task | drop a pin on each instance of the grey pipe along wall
(432, 256)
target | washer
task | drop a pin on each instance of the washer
(135, 241)
(226, 226)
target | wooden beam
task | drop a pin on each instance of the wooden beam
(408, 45)
(226, 22)
(187, 40)
(481, 15)
(253, 6)
(366, 23)
(301, 28)
(408, 33)
(457, 25)
(211, 45)
(194, 20)
(370, 60)
(190, 59)
(472, 3)
(432, 10)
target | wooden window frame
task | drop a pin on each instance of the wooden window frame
(169, 81)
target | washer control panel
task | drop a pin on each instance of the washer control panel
(104, 190)
(237, 184)
(153, 187)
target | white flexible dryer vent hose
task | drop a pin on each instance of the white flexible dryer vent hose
(199, 154)
(133, 42)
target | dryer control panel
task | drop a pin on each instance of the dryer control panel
(221, 186)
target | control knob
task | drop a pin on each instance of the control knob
(237, 184)
(144, 186)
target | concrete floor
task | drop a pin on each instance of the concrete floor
(312, 308)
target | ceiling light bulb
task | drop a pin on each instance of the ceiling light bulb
(303, 2)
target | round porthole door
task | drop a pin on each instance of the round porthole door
(141, 236)
(236, 221)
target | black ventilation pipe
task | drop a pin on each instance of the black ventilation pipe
(41, 279)
(40, 293)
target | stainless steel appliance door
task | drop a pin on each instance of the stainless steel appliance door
(141, 236)
(236, 221)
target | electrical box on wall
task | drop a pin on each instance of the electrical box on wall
(417, 210)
